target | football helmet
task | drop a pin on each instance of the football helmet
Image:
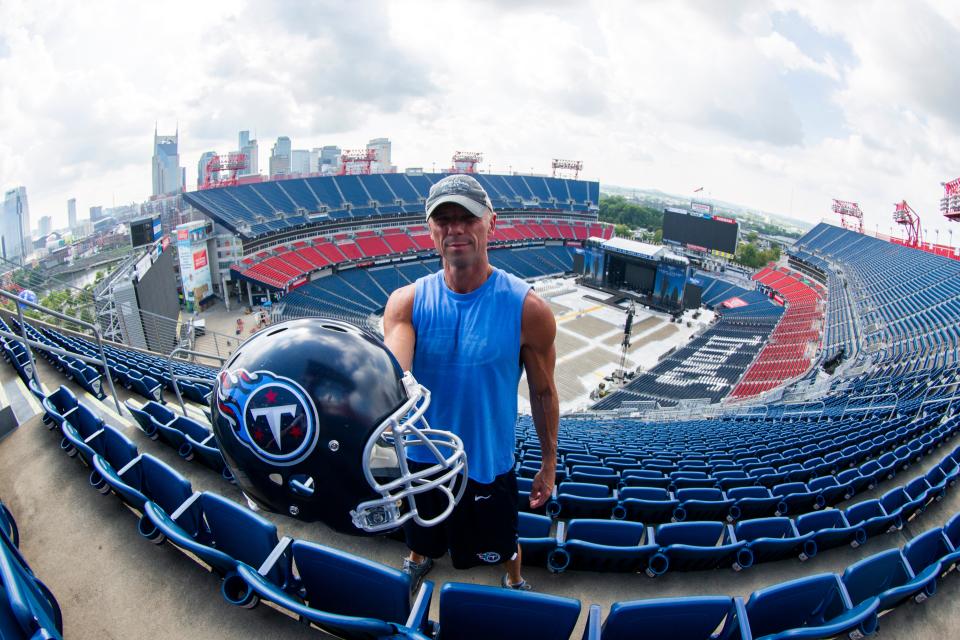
(315, 419)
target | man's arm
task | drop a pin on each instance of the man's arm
(539, 355)
(398, 333)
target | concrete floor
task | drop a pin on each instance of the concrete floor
(112, 583)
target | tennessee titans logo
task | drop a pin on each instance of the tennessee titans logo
(491, 557)
(271, 415)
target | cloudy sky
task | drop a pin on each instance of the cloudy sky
(775, 105)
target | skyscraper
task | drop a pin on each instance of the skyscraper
(96, 213)
(168, 175)
(15, 226)
(250, 149)
(280, 157)
(330, 159)
(381, 146)
(72, 213)
(44, 225)
(300, 161)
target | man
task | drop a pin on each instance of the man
(466, 332)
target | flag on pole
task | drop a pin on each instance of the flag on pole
(698, 190)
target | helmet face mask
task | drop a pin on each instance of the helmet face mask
(315, 419)
(387, 471)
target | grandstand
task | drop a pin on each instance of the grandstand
(819, 513)
(296, 230)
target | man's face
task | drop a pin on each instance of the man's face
(460, 236)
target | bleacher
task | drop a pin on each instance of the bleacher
(357, 295)
(287, 266)
(906, 300)
(253, 210)
(791, 346)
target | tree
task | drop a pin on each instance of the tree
(622, 231)
(619, 210)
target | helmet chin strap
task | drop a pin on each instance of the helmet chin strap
(402, 430)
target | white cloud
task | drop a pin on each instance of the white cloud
(661, 94)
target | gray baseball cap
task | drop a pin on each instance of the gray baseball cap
(460, 189)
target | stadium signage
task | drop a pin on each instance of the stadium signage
(722, 219)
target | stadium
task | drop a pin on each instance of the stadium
(741, 454)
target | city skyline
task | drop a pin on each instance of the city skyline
(778, 106)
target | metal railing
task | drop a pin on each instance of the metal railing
(870, 407)
(174, 377)
(27, 342)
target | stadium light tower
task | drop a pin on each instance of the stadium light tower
(221, 171)
(566, 168)
(851, 217)
(950, 203)
(357, 162)
(905, 216)
(466, 161)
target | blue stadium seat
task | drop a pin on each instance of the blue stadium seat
(145, 479)
(812, 607)
(675, 619)
(150, 417)
(751, 502)
(872, 518)
(536, 543)
(693, 546)
(8, 525)
(602, 545)
(930, 551)
(645, 504)
(888, 577)
(28, 610)
(220, 533)
(770, 539)
(829, 528)
(78, 429)
(702, 504)
(582, 500)
(343, 594)
(58, 406)
(465, 614)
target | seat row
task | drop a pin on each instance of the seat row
(596, 544)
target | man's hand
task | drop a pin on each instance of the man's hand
(542, 486)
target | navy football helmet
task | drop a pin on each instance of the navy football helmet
(315, 418)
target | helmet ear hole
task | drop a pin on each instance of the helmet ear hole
(275, 478)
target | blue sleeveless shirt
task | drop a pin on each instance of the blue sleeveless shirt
(468, 355)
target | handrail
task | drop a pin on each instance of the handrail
(174, 377)
(56, 314)
(870, 407)
(801, 409)
(934, 388)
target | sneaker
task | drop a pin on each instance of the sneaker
(416, 571)
(523, 585)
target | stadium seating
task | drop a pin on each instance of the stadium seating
(28, 610)
(348, 596)
(465, 614)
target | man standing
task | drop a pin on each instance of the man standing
(466, 333)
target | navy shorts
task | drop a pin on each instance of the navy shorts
(481, 530)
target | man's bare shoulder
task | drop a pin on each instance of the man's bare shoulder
(400, 304)
(537, 323)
